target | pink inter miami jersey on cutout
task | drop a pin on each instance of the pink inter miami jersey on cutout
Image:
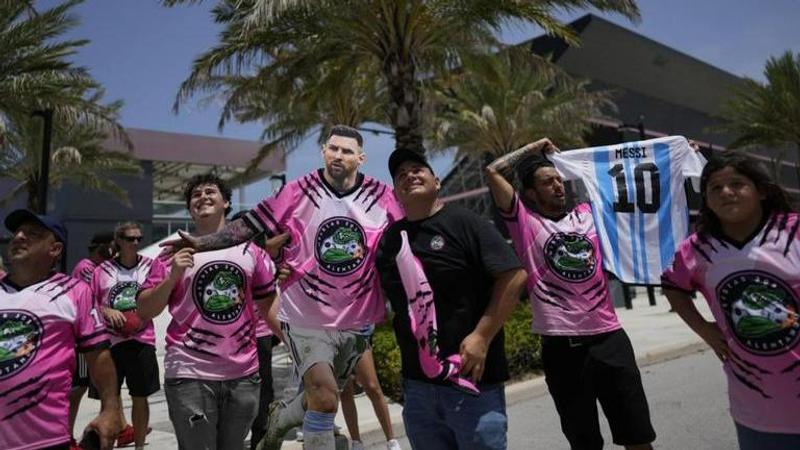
(754, 295)
(40, 328)
(116, 286)
(566, 284)
(334, 237)
(212, 332)
(83, 270)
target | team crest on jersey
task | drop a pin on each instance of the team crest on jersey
(20, 336)
(340, 246)
(122, 296)
(437, 242)
(762, 311)
(219, 291)
(570, 256)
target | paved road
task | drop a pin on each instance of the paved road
(688, 404)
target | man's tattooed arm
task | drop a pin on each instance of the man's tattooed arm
(508, 161)
(234, 233)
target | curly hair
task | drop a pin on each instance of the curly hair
(775, 198)
(207, 178)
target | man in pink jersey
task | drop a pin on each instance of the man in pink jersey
(44, 317)
(452, 281)
(211, 366)
(115, 286)
(586, 354)
(100, 249)
(335, 216)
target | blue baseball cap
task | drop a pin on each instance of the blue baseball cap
(20, 216)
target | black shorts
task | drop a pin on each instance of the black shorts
(80, 378)
(136, 364)
(580, 371)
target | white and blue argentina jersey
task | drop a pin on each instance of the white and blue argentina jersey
(638, 201)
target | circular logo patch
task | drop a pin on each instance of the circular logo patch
(761, 311)
(219, 291)
(122, 296)
(570, 256)
(437, 242)
(340, 246)
(20, 336)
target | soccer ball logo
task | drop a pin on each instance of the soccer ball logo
(570, 256)
(761, 311)
(219, 291)
(20, 335)
(340, 246)
(122, 296)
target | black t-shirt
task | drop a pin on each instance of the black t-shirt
(459, 252)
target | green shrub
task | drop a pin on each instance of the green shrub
(523, 351)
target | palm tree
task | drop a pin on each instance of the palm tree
(502, 101)
(404, 43)
(80, 157)
(36, 74)
(293, 109)
(768, 114)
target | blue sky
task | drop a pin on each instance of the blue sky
(142, 51)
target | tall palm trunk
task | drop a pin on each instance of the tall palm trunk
(32, 187)
(405, 105)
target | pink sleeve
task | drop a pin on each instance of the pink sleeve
(518, 221)
(679, 274)
(270, 216)
(90, 330)
(393, 209)
(96, 286)
(158, 272)
(263, 274)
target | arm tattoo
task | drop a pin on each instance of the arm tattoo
(233, 234)
(504, 163)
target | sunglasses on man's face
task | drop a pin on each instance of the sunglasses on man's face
(132, 238)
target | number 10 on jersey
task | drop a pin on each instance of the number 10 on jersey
(647, 193)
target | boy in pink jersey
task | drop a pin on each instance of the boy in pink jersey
(745, 259)
(44, 317)
(100, 249)
(335, 217)
(211, 376)
(115, 286)
(586, 354)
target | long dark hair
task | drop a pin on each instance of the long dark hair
(775, 198)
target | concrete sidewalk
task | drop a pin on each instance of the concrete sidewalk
(656, 334)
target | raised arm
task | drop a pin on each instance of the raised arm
(234, 233)
(499, 172)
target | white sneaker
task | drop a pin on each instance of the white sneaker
(393, 445)
(356, 445)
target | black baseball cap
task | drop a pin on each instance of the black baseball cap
(20, 216)
(400, 156)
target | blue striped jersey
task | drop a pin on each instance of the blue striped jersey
(638, 201)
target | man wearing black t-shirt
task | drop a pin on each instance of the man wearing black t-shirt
(474, 279)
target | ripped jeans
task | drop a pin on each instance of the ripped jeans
(212, 415)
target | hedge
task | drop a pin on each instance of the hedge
(523, 351)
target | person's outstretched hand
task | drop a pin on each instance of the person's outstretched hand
(185, 240)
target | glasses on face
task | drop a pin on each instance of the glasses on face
(132, 238)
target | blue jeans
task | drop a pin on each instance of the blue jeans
(750, 439)
(440, 417)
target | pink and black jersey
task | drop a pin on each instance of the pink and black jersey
(334, 236)
(753, 289)
(116, 286)
(41, 326)
(566, 284)
(83, 270)
(212, 335)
